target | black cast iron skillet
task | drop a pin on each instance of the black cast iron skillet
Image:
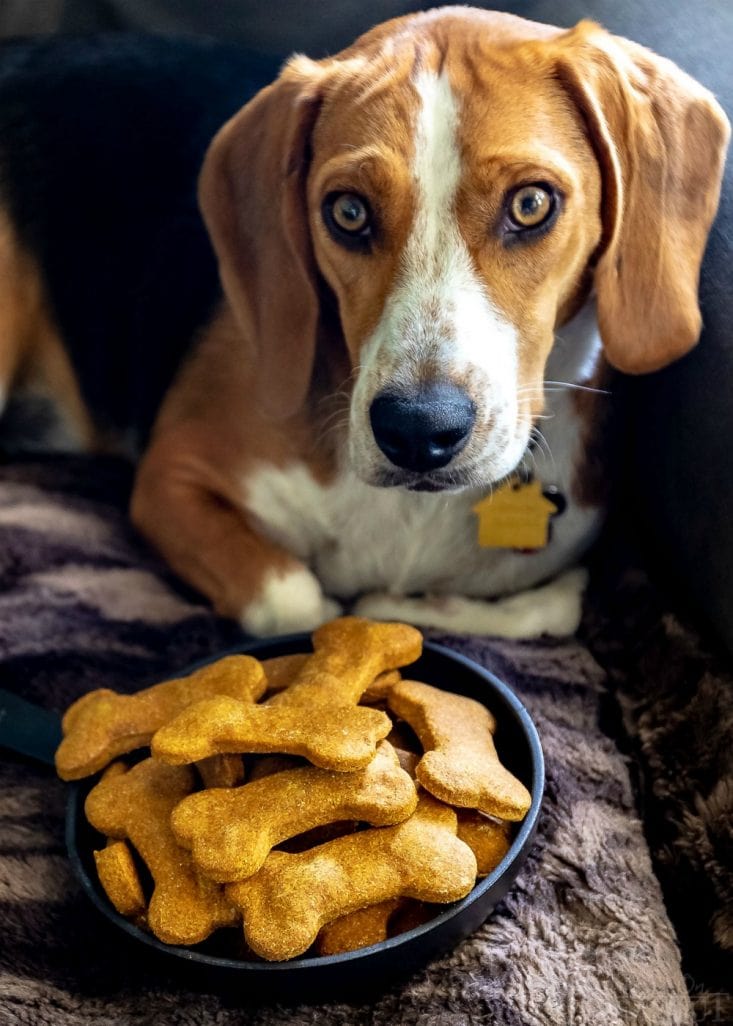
(35, 732)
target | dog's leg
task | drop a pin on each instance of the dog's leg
(14, 280)
(31, 351)
(20, 305)
(553, 608)
(209, 543)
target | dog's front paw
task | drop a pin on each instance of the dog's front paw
(380, 605)
(288, 603)
(553, 608)
(422, 611)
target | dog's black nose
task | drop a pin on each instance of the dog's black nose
(423, 431)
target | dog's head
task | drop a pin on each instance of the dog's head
(460, 180)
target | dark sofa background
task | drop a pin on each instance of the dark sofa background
(680, 470)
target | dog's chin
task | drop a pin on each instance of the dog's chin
(445, 480)
(449, 481)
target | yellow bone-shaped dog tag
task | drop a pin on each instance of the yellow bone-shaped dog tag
(517, 516)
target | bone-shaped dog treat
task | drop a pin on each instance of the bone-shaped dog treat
(287, 902)
(349, 653)
(137, 806)
(103, 725)
(488, 839)
(230, 832)
(317, 716)
(460, 765)
(358, 929)
(281, 672)
(119, 878)
(339, 738)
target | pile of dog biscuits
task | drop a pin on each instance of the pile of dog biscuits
(319, 800)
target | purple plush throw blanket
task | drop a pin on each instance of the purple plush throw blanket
(582, 938)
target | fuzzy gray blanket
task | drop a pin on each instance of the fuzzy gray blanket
(582, 938)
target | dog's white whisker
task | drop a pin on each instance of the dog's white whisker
(581, 388)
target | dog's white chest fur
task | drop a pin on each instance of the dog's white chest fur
(357, 538)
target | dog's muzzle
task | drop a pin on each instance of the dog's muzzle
(422, 431)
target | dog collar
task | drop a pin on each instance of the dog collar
(518, 514)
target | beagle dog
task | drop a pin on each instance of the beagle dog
(435, 248)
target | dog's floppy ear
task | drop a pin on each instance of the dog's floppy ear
(252, 196)
(660, 140)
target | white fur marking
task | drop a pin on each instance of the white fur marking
(437, 170)
(439, 311)
(288, 603)
(554, 608)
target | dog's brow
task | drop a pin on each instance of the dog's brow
(539, 161)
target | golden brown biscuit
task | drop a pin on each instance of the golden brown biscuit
(103, 725)
(292, 897)
(342, 738)
(231, 832)
(281, 672)
(316, 716)
(460, 765)
(338, 880)
(119, 878)
(488, 839)
(349, 653)
(72, 713)
(137, 806)
(358, 929)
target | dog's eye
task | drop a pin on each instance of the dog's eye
(350, 213)
(531, 206)
(348, 218)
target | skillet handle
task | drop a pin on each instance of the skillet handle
(28, 729)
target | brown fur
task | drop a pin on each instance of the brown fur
(660, 139)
